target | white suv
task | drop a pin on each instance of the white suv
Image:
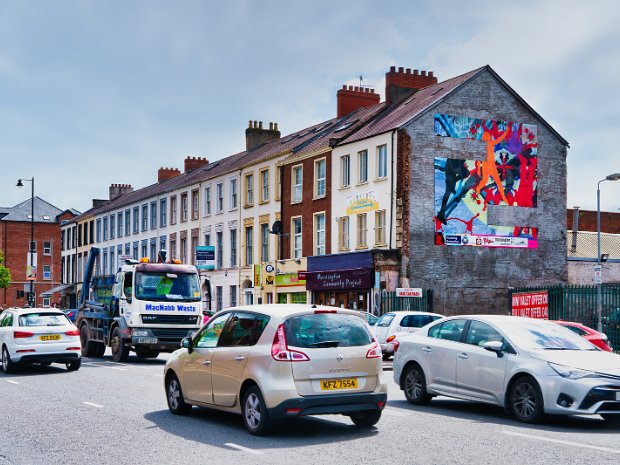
(269, 362)
(392, 325)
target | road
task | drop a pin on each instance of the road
(112, 413)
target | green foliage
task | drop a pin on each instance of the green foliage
(5, 274)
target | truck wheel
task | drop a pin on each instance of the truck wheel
(88, 348)
(120, 352)
(143, 353)
(99, 349)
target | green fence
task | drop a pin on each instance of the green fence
(391, 303)
(579, 304)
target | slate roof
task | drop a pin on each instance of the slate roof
(44, 212)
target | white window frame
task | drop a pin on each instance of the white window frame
(297, 237)
(233, 194)
(219, 197)
(47, 272)
(249, 189)
(249, 245)
(382, 170)
(319, 233)
(380, 227)
(264, 185)
(345, 170)
(207, 209)
(362, 165)
(264, 242)
(47, 247)
(297, 188)
(362, 231)
(320, 179)
(343, 233)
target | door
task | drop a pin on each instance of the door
(480, 373)
(196, 366)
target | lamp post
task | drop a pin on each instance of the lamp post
(20, 183)
(599, 296)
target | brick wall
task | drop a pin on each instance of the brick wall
(610, 221)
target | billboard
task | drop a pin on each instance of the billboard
(205, 257)
(531, 304)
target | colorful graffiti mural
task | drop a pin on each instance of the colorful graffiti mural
(464, 188)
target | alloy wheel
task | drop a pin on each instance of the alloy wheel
(252, 411)
(413, 384)
(525, 399)
(174, 393)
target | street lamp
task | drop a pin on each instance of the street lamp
(599, 296)
(31, 299)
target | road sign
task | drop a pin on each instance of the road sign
(598, 274)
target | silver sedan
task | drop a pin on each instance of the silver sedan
(532, 367)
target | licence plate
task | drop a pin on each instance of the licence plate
(50, 337)
(334, 384)
(147, 340)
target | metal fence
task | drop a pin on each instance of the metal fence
(391, 303)
(579, 304)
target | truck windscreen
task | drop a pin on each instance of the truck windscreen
(177, 287)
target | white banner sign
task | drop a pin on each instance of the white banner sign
(408, 292)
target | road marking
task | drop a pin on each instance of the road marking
(11, 381)
(93, 405)
(560, 441)
(243, 449)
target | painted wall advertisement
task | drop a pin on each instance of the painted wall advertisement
(290, 279)
(362, 203)
(531, 304)
(464, 189)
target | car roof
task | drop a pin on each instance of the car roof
(23, 311)
(284, 310)
(412, 312)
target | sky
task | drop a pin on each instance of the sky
(100, 92)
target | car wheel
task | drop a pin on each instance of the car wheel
(174, 396)
(366, 419)
(255, 415)
(88, 347)
(414, 385)
(526, 401)
(120, 352)
(74, 365)
(8, 366)
(147, 353)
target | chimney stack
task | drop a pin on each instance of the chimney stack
(163, 174)
(116, 190)
(192, 163)
(352, 98)
(402, 83)
(255, 135)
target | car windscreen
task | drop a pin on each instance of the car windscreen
(385, 320)
(544, 335)
(176, 287)
(43, 319)
(326, 330)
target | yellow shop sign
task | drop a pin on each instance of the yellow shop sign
(362, 203)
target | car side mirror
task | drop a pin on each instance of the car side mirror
(494, 346)
(186, 343)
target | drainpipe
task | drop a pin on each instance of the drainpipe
(392, 189)
(573, 247)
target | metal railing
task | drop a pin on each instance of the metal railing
(391, 303)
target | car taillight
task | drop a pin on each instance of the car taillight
(390, 338)
(73, 332)
(396, 346)
(21, 334)
(281, 352)
(374, 351)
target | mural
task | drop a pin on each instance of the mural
(464, 188)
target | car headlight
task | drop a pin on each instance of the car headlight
(570, 372)
(140, 332)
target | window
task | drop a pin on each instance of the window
(47, 248)
(249, 238)
(207, 201)
(296, 228)
(119, 224)
(264, 242)
(297, 183)
(105, 228)
(361, 230)
(343, 233)
(242, 329)
(233, 248)
(112, 260)
(450, 330)
(362, 160)
(136, 220)
(233, 296)
(264, 186)
(219, 238)
(105, 261)
(319, 234)
(207, 338)
(46, 301)
(219, 291)
(162, 213)
(380, 227)
(233, 194)
(345, 171)
(173, 249)
(319, 178)
(183, 251)
(207, 239)
(184, 208)
(145, 217)
(219, 189)
(173, 209)
(382, 161)
(127, 222)
(479, 333)
(249, 190)
(153, 215)
(144, 248)
(192, 251)
(47, 272)
(195, 204)
(112, 225)
(162, 243)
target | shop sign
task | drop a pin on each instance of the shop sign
(531, 304)
(205, 257)
(257, 275)
(362, 203)
(289, 279)
(408, 292)
(360, 278)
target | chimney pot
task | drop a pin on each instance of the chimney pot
(423, 73)
(408, 71)
(416, 72)
(260, 125)
(392, 69)
(430, 74)
(401, 69)
(250, 124)
(344, 86)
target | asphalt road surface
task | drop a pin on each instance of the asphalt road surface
(112, 413)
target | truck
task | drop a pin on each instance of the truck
(146, 307)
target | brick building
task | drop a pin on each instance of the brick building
(15, 233)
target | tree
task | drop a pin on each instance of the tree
(5, 274)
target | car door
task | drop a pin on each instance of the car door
(438, 354)
(235, 348)
(196, 364)
(480, 373)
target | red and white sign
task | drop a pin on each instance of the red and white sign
(531, 304)
(408, 292)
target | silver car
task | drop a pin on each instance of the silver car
(274, 361)
(532, 367)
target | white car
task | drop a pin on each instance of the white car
(396, 324)
(38, 335)
(531, 367)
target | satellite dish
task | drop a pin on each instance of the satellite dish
(276, 227)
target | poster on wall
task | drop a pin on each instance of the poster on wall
(465, 188)
(531, 304)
